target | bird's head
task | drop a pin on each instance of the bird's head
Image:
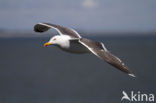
(54, 40)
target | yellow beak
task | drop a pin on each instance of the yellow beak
(47, 43)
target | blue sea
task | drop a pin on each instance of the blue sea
(31, 73)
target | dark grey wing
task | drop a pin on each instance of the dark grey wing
(42, 27)
(100, 51)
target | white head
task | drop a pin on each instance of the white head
(61, 40)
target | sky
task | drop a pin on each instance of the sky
(85, 15)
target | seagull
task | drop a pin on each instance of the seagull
(70, 40)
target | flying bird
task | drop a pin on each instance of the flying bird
(70, 40)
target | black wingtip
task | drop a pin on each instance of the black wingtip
(36, 29)
(40, 28)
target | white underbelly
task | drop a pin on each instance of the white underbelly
(76, 48)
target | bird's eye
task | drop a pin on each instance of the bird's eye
(54, 39)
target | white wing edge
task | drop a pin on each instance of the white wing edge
(75, 32)
(59, 30)
(132, 75)
(51, 27)
(89, 48)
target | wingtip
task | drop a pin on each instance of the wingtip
(38, 28)
(132, 75)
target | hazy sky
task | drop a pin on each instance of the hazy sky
(87, 15)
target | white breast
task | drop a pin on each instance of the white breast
(64, 41)
(66, 44)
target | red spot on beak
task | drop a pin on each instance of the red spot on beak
(46, 44)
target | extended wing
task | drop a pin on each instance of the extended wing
(100, 51)
(42, 27)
